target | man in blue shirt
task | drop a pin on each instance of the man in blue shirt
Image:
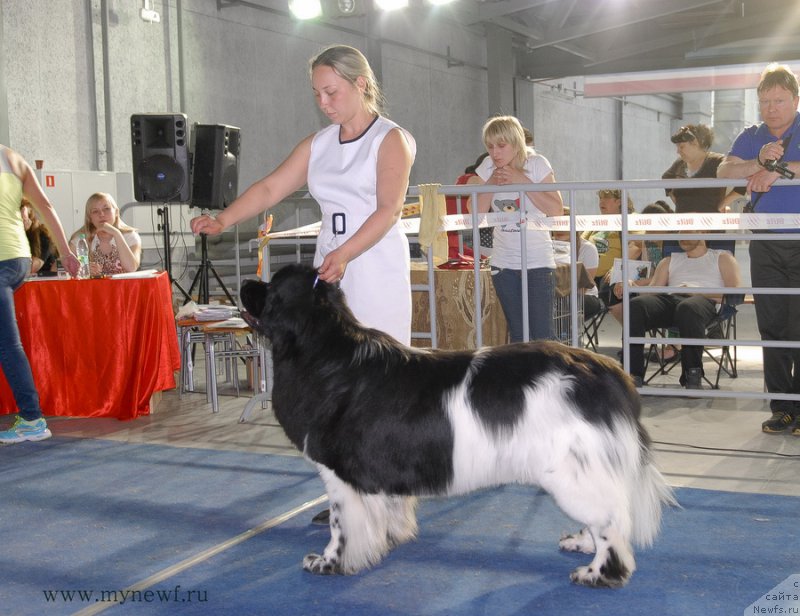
(775, 263)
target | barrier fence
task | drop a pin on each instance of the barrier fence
(737, 226)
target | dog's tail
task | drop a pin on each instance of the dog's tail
(648, 497)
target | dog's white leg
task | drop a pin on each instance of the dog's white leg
(589, 492)
(330, 562)
(582, 541)
(401, 519)
(613, 563)
(364, 527)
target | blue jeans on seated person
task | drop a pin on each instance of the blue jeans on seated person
(541, 292)
(13, 361)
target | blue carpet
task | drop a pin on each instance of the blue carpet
(104, 515)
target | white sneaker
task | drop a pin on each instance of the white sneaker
(24, 430)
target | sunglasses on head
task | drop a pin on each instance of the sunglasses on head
(683, 135)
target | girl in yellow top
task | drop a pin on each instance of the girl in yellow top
(17, 179)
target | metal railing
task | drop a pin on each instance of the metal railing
(569, 192)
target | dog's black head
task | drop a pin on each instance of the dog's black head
(293, 302)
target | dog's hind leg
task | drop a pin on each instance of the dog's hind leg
(401, 518)
(582, 541)
(364, 527)
(613, 563)
(598, 500)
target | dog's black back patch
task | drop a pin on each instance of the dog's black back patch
(497, 389)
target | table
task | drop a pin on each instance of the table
(455, 309)
(98, 348)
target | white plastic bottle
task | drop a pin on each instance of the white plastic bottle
(82, 250)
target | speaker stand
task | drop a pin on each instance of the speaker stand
(201, 277)
(163, 213)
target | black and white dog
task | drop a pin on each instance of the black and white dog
(385, 423)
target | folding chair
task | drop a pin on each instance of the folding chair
(721, 327)
(591, 328)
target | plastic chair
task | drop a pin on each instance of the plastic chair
(721, 327)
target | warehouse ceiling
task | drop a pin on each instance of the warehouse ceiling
(561, 38)
(557, 38)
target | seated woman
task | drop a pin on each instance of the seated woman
(587, 254)
(44, 253)
(114, 247)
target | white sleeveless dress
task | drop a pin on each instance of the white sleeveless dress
(342, 179)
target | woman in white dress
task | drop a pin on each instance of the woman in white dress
(358, 171)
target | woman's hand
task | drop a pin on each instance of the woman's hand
(333, 266)
(206, 224)
(508, 175)
(71, 264)
(109, 229)
(95, 269)
(617, 288)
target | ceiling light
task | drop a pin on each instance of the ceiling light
(346, 7)
(305, 9)
(391, 5)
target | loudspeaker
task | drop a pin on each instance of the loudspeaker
(215, 171)
(160, 157)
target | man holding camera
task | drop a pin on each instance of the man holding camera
(763, 154)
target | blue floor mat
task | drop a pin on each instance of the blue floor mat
(105, 515)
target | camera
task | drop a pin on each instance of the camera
(781, 168)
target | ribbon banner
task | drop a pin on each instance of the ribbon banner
(603, 222)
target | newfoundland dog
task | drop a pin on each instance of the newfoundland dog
(385, 423)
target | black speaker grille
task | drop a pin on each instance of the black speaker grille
(161, 168)
(161, 178)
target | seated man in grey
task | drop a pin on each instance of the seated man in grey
(696, 266)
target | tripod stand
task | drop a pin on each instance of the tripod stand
(163, 213)
(201, 276)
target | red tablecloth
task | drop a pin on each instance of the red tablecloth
(98, 348)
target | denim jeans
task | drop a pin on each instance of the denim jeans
(541, 289)
(14, 362)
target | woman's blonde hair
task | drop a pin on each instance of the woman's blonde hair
(88, 228)
(350, 64)
(508, 130)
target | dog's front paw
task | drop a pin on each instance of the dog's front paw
(590, 576)
(579, 542)
(319, 565)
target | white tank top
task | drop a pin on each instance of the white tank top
(342, 178)
(695, 272)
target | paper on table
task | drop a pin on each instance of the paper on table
(148, 273)
(235, 322)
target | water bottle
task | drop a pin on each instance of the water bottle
(82, 249)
